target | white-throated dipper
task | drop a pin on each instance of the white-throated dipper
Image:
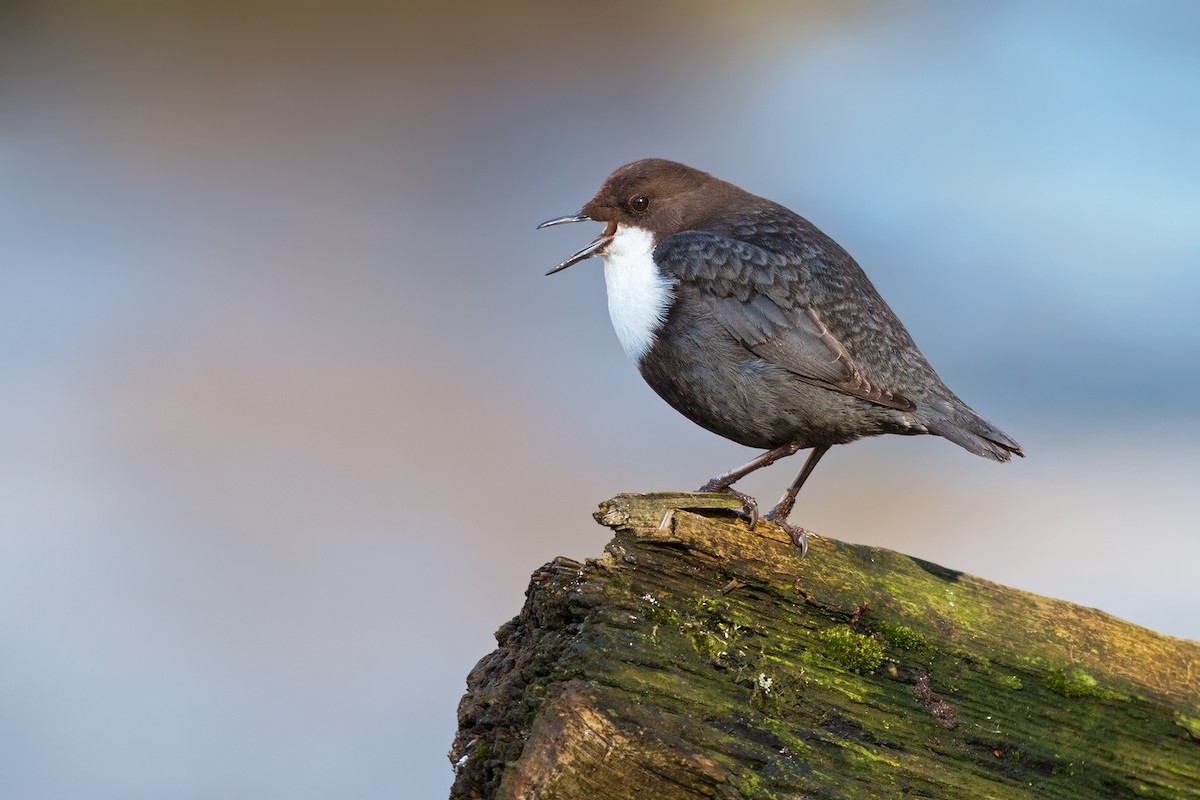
(757, 326)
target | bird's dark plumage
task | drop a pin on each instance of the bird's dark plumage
(758, 326)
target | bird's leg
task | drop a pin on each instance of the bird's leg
(785, 504)
(722, 483)
(779, 513)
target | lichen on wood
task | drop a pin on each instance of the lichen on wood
(697, 658)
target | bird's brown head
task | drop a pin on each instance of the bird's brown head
(657, 195)
(661, 196)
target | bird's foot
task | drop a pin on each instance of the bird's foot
(749, 504)
(798, 535)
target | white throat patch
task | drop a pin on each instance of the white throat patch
(638, 295)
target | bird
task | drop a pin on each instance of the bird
(755, 325)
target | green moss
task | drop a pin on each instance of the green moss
(1009, 681)
(904, 637)
(707, 643)
(713, 628)
(719, 614)
(708, 608)
(852, 650)
(1078, 683)
(1189, 724)
(750, 786)
(656, 612)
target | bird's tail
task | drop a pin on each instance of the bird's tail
(955, 420)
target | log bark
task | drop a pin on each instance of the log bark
(699, 659)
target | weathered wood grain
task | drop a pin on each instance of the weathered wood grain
(698, 659)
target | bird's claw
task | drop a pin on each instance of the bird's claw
(749, 504)
(749, 507)
(798, 535)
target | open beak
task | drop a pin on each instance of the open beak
(592, 249)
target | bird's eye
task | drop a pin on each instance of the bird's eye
(639, 203)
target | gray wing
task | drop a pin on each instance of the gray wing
(762, 299)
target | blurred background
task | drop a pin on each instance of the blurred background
(289, 412)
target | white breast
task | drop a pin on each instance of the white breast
(638, 295)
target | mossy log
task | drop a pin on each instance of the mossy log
(699, 659)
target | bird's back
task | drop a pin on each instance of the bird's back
(846, 303)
